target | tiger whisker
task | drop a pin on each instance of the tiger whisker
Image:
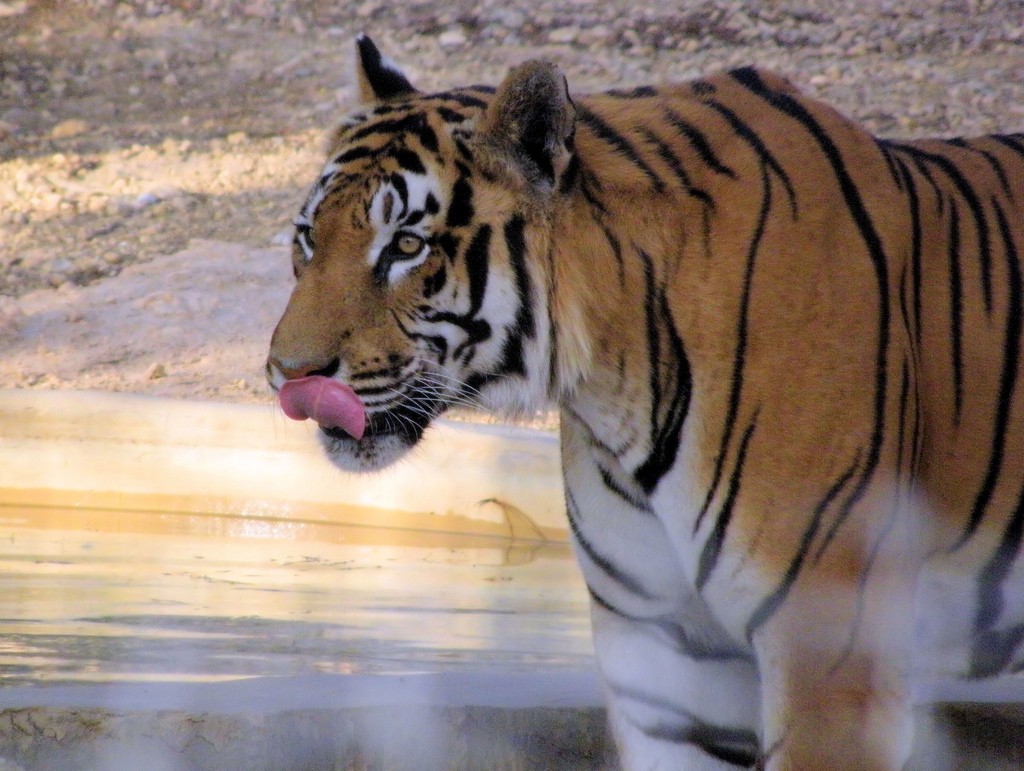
(465, 391)
(440, 392)
(414, 407)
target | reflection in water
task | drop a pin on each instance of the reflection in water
(90, 595)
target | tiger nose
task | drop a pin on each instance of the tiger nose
(280, 370)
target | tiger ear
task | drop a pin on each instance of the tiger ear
(380, 79)
(531, 120)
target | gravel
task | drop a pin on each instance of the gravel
(127, 129)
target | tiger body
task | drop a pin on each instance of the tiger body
(785, 354)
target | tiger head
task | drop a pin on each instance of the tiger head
(422, 258)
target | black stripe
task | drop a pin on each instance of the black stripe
(613, 485)
(609, 568)
(386, 109)
(993, 649)
(590, 186)
(476, 382)
(956, 311)
(905, 468)
(901, 434)
(448, 115)
(990, 591)
(924, 171)
(912, 320)
(460, 207)
(660, 703)
(438, 343)
(477, 331)
(449, 245)
(671, 383)
(398, 182)
(914, 212)
(896, 509)
(901, 438)
(905, 311)
(619, 143)
(713, 546)
(997, 167)
(477, 264)
(633, 93)
(739, 360)
(917, 439)
(554, 355)
(366, 393)
(512, 360)
(354, 154)
(462, 148)
(569, 176)
(435, 282)
(392, 373)
(676, 167)
(412, 123)
(391, 126)
(682, 732)
(1010, 141)
(738, 746)
(408, 418)
(616, 247)
(693, 646)
(515, 242)
(890, 161)
(699, 142)
(851, 195)
(414, 218)
(966, 190)
(1007, 380)
(594, 441)
(477, 267)
(428, 138)
(466, 100)
(759, 147)
(771, 603)
(408, 160)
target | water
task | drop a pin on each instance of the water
(181, 640)
(107, 596)
(193, 586)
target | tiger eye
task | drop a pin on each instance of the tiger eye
(408, 244)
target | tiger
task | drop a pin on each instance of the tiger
(785, 355)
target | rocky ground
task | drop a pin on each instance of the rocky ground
(153, 152)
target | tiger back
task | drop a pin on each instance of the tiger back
(786, 357)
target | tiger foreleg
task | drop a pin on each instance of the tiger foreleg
(674, 703)
(834, 678)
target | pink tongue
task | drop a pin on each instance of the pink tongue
(328, 402)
